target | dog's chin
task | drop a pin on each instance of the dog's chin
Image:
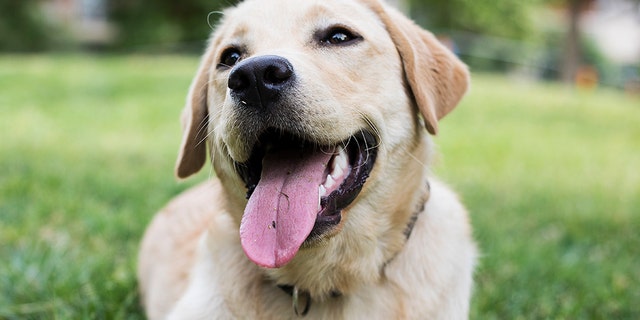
(347, 165)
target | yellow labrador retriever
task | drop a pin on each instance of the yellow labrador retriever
(313, 114)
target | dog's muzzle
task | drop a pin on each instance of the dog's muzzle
(297, 186)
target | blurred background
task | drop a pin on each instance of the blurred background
(587, 42)
(544, 149)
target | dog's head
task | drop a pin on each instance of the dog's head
(311, 109)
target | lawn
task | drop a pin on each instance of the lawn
(551, 177)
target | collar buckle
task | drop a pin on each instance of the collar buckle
(301, 298)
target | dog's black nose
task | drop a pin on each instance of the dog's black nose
(259, 81)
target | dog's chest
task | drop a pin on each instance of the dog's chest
(271, 302)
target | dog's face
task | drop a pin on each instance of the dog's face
(311, 110)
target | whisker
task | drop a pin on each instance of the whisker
(203, 126)
(207, 126)
(211, 169)
(225, 65)
(366, 146)
(332, 148)
(358, 143)
(424, 165)
(373, 128)
(209, 18)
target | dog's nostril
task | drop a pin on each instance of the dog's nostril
(260, 71)
(238, 79)
(277, 73)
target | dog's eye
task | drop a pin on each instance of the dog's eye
(229, 58)
(338, 36)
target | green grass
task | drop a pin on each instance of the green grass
(551, 178)
(88, 146)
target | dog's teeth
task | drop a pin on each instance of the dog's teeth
(322, 191)
(340, 164)
(330, 182)
(337, 172)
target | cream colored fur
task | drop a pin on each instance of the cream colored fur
(191, 263)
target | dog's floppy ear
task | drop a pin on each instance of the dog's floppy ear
(437, 78)
(193, 151)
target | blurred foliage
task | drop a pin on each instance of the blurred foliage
(590, 55)
(22, 28)
(522, 36)
(164, 23)
(489, 35)
(502, 18)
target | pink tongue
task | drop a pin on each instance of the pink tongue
(282, 209)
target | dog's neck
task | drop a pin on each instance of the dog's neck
(303, 293)
(301, 299)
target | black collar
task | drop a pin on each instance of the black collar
(416, 213)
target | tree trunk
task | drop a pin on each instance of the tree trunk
(572, 53)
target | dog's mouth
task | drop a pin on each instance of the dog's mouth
(297, 189)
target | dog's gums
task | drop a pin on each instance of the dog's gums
(301, 187)
(356, 163)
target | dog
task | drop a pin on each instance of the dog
(317, 117)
